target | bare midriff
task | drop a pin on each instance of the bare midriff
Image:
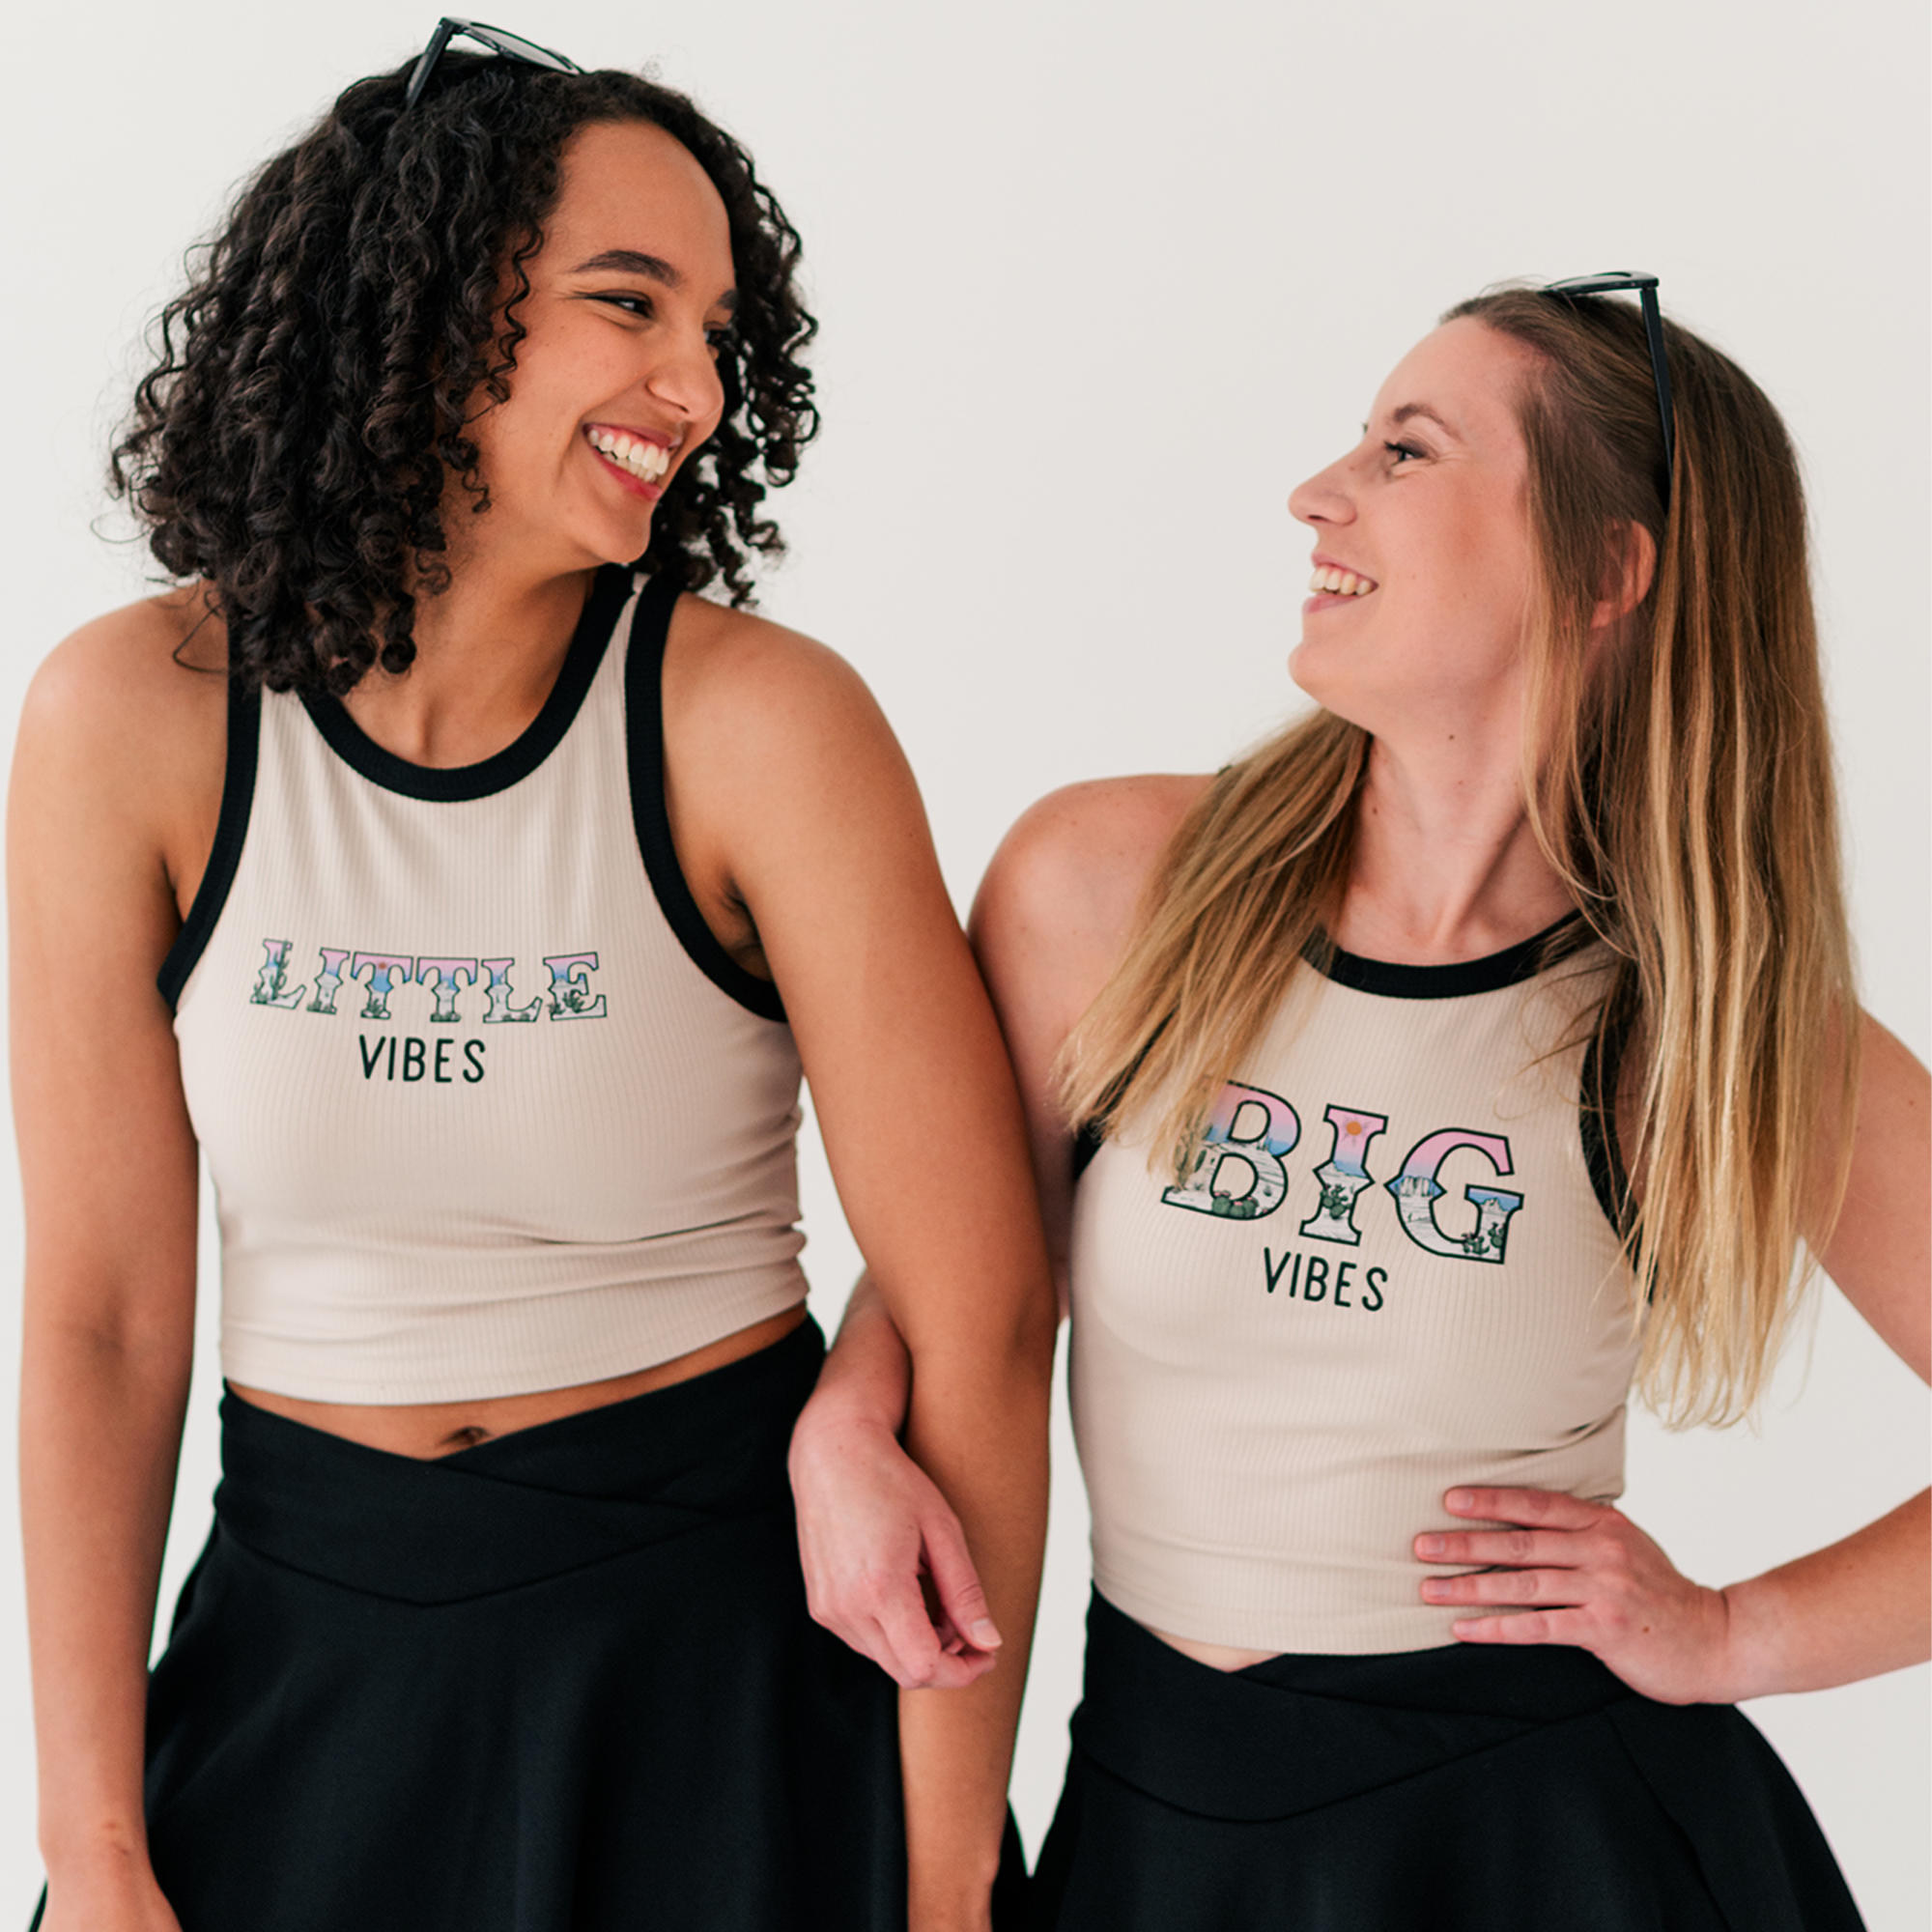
(426, 1430)
(1215, 1656)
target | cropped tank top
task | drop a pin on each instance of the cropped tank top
(1391, 1268)
(487, 1107)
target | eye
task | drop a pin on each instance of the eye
(637, 305)
(1403, 452)
(719, 337)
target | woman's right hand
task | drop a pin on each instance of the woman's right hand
(886, 1563)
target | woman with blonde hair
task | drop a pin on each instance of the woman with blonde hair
(1400, 1093)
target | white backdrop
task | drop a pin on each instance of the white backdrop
(1100, 283)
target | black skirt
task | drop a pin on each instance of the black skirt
(1459, 1790)
(562, 1680)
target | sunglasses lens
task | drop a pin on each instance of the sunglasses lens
(514, 48)
(507, 46)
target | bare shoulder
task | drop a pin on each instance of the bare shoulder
(131, 684)
(124, 726)
(737, 672)
(1079, 858)
(781, 767)
(1059, 901)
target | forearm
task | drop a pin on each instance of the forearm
(99, 1435)
(983, 1441)
(866, 1380)
(1854, 1610)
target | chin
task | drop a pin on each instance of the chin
(1324, 677)
(615, 543)
(1317, 673)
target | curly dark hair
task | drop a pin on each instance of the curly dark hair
(317, 378)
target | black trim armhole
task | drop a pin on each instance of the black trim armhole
(1089, 1135)
(231, 829)
(644, 731)
(1597, 1117)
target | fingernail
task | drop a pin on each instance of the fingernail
(1460, 1499)
(1434, 1588)
(986, 1635)
(1430, 1546)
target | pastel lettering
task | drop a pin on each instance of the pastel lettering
(570, 995)
(1237, 1173)
(1417, 1190)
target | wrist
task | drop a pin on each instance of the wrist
(105, 1847)
(836, 1423)
(949, 1908)
(1753, 1659)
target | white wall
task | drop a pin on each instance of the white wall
(1099, 284)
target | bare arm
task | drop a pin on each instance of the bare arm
(790, 800)
(1862, 1606)
(1050, 919)
(1851, 1611)
(1049, 922)
(104, 785)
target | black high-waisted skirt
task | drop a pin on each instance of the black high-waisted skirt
(560, 1681)
(1456, 1790)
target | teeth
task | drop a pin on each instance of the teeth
(1340, 582)
(645, 461)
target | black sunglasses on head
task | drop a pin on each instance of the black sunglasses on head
(507, 46)
(1615, 281)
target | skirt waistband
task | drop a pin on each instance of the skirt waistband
(521, 1507)
(1297, 1732)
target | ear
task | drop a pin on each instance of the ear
(1628, 572)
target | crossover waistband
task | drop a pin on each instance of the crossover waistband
(525, 1506)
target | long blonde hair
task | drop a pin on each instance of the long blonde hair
(1680, 783)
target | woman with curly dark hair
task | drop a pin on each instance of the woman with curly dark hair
(471, 894)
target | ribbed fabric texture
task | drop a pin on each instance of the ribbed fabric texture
(1388, 1273)
(477, 1121)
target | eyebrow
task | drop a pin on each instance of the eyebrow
(650, 268)
(1409, 410)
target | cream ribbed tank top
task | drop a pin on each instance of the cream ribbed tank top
(1390, 1270)
(487, 1107)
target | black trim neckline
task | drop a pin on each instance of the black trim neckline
(518, 760)
(1456, 980)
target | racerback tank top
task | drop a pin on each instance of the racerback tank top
(487, 1107)
(1390, 1269)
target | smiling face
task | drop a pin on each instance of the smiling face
(1423, 558)
(615, 385)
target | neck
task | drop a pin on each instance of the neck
(1445, 865)
(489, 650)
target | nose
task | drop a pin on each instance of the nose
(685, 377)
(1324, 498)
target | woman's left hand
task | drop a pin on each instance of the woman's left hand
(1581, 1573)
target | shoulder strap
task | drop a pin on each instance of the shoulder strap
(231, 829)
(643, 728)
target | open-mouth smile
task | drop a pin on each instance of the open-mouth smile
(636, 456)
